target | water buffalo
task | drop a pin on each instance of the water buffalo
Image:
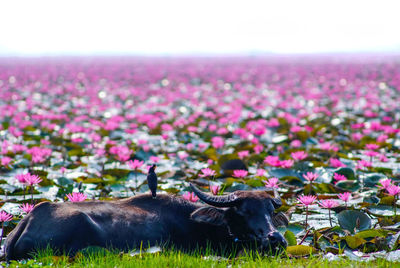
(239, 218)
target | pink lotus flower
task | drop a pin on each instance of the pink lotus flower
(240, 173)
(190, 196)
(26, 207)
(258, 148)
(207, 172)
(382, 138)
(183, 155)
(76, 197)
(135, 164)
(286, 163)
(295, 144)
(385, 183)
(371, 153)
(214, 189)
(5, 160)
(383, 158)
(272, 183)
(361, 164)
(336, 163)
(393, 190)
(217, 142)
(329, 147)
(62, 170)
(260, 172)
(329, 203)
(4, 216)
(154, 159)
(32, 179)
(345, 196)
(310, 176)
(21, 178)
(307, 200)
(298, 156)
(243, 154)
(339, 177)
(272, 160)
(371, 146)
(356, 136)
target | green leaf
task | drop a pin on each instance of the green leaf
(352, 220)
(349, 185)
(347, 172)
(354, 241)
(372, 233)
(63, 181)
(255, 183)
(290, 238)
(300, 250)
(372, 180)
(117, 172)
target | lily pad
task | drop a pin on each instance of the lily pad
(353, 220)
(290, 238)
(347, 172)
(349, 185)
(300, 250)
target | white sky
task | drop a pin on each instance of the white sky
(76, 27)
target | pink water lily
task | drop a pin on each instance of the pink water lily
(207, 172)
(243, 154)
(336, 163)
(135, 164)
(27, 208)
(298, 156)
(385, 183)
(272, 183)
(5, 160)
(329, 204)
(371, 146)
(260, 172)
(190, 196)
(4, 217)
(240, 173)
(310, 176)
(32, 179)
(76, 197)
(346, 196)
(339, 177)
(215, 189)
(307, 200)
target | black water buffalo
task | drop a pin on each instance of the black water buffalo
(239, 218)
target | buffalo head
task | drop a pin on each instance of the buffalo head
(248, 215)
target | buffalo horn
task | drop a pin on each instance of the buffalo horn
(217, 200)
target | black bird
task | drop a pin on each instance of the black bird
(152, 181)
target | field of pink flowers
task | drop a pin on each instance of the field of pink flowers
(324, 132)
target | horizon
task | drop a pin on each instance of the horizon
(46, 28)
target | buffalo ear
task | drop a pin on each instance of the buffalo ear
(210, 215)
(280, 219)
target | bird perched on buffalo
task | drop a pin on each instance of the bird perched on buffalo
(152, 181)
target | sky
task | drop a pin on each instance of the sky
(174, 27)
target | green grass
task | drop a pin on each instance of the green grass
(173, 258)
